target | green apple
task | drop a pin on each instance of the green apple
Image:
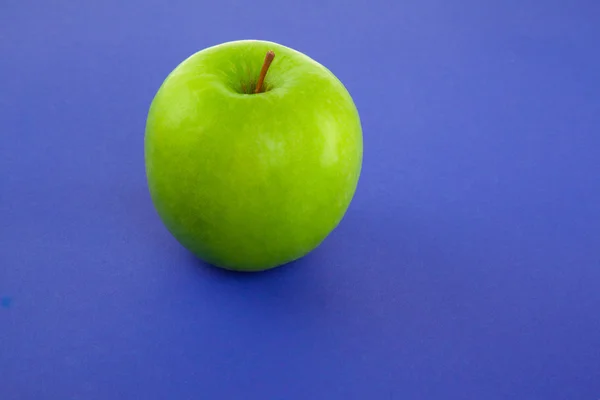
(251, 165)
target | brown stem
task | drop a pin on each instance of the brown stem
(263, 72)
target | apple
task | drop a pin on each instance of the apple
(253, 153)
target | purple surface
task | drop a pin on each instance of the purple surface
(467, 267)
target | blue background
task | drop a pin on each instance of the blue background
(467, 266)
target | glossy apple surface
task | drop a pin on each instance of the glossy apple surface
(251, 181)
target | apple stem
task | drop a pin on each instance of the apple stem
(263, 72)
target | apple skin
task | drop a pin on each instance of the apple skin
(250, 182)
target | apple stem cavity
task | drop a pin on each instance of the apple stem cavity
(263, 72)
